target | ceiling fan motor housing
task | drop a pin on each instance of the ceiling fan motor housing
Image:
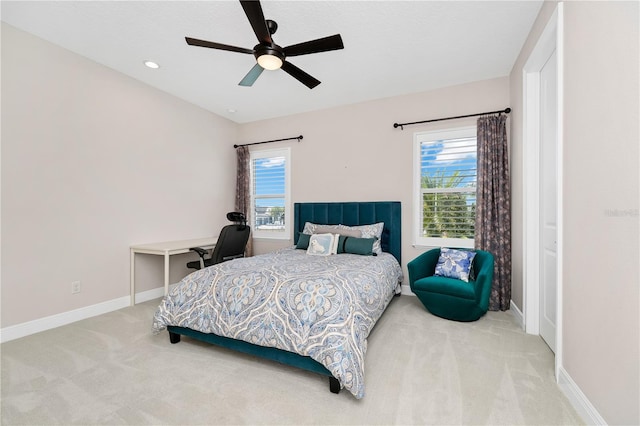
(270, 49)
(273, 50)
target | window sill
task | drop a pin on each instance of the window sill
(444, 242)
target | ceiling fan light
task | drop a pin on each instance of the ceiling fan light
(269, 62)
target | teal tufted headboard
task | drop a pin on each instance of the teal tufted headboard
(352, 214)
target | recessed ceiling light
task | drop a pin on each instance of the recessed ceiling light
(231, 110)
(152, 64)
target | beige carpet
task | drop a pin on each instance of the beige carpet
(420, 369)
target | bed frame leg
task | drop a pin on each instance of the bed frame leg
(174, 337)
(334, 385)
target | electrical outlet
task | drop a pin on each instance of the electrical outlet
(75, 287)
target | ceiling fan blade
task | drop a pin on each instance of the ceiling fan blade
(212, 45)
(325, 44)
(251, 76)
(253, 10)
(300, 75)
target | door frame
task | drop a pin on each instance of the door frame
(550, 39)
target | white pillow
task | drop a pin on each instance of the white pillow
(316, 228)
(338, 229)
(310, 228)
(323, 244)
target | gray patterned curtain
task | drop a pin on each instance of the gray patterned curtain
(243, 194)
(493, 205)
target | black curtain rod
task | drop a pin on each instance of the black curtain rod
(275, 140)
(506, 111)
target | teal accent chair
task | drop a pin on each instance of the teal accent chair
(451, 298)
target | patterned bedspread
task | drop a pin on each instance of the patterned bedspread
(318, 306)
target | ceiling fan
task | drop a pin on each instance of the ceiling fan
(269, 55)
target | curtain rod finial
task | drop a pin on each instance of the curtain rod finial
(235, 146)
(508, 110)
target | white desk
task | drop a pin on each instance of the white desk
(165, 249)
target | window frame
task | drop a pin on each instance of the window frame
(285, 234)
(418, 138)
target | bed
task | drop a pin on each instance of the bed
(311, 312)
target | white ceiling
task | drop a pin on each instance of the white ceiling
(391, 47)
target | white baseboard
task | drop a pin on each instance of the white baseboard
(155, 293)
(517, 314)
(47, 323)
(406, 290)
(578, 400)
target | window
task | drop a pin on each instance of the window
(445, 166)
(270, 195)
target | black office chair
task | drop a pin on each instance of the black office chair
(230, 245)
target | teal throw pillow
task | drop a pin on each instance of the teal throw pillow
(303, 241)
(353, 245)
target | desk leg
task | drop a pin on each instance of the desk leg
(132, 268)
(166, 273)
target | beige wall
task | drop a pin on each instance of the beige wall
(92, 162)
(364, 157)
(601, 327)
(601, 309)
